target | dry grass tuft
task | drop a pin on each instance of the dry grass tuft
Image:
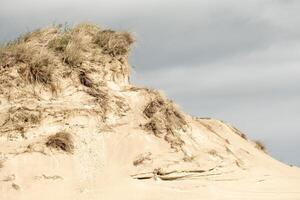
(142, 159)
(60, 42)
(15, 53)
(153, 107)
(259, 145)
(15, 186)
(35, 67)
(87, 28)
(156, 126)
(68, 45)
(20, 119)
(38, 70)
(238, 132)
(188, 158)
(73, 54)
(114, 43)
(244, 136)
(25, 116)
(61, 141)
(165, 120)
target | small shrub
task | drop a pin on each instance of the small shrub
(37, 70)
(68, 45)
(61, 141)
(114, 43)
(244, 136)
(153, 107)
(259, 145)
(87, 28)
(164, 120)
(14, 53)
(60, 42)
(24, 116)
(72, 54)
(15, 186)
(156, 126)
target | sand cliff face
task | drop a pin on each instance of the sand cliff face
(73, 127)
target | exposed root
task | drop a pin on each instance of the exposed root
(169, 175)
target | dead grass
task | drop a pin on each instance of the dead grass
(34, 67)
(15, 186)
(21, 118)
(38, 70)
(259, 145)
(114, 43)
(244, 136)
(153, 107)
(25, 116)
(15, 53)
(237, 131)
(68, 46)
(164, 120)
(87, 28)
(142, 158)
(42, 56)
(156, 126)
(61, 141)
(60, 42)
(73, 54)
(188, 158)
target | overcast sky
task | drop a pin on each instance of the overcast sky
(234, 60)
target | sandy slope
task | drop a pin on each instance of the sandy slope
(125, 142)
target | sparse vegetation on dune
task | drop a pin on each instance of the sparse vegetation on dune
(39, 54)
(259, 145)
(38, 70)
(114, 43)
(165, 120)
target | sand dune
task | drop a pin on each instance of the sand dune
(73, 127)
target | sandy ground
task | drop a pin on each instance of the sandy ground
(214, 163)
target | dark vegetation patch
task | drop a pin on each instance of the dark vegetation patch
(61, 141)
(259, 145)
(114, 43)
(164, 120)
